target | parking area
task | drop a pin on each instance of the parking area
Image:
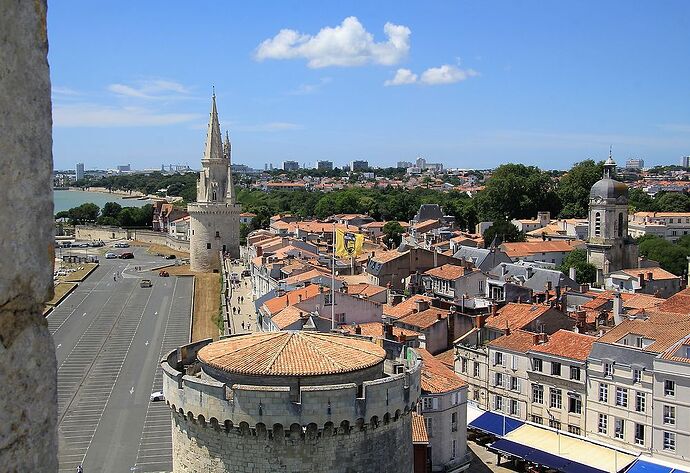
(109, 335)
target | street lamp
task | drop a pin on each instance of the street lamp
(558, 431)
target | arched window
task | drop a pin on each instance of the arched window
(214, 196)
(597, 224)
(620, 225)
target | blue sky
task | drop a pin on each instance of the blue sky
(469, 84)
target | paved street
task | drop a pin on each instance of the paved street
(247, 312)
(109, 336)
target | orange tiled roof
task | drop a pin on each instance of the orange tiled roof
(449, 272)
(521, 249)
(678, 303)
(385, 256)
(568, 344)
(518, 341)
(290, 298)
(516, 316)
(419, 433)
(365, 289)
(291, 354)
(425, 224)
(287, 317)
(643, 301)
(375, 329)
(306, 276)
(447, 358)
(404, 308)
(657, 273)
(437, 378)
(664, 328)
(425, 318)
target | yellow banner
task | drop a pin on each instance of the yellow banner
(348, 244)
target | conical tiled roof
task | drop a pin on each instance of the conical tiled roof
(291, 354)
(214, 145)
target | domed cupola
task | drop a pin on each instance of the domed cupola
(608, 188)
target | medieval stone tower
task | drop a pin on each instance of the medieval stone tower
(609, 247)
(215, 217)
(291, 402)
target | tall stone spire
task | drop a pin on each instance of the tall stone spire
(230, 195)
(214, 147)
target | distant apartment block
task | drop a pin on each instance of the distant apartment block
(290, 166)
(669, 225)
(404, 164)
(634, 163)
(80, 171)
(324, 165)
(359, 165)
(685, 161)
(124, 168)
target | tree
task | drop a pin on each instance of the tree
(585, 272)
(671, 257)
(85, 213)
(639, 201)
(517, 191)
(672, 202)
(573, 188)
(393, 231)
(504, 232)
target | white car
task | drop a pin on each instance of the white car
(121, 245)
(157, 396)
(110, 256)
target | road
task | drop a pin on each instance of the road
(109, 336)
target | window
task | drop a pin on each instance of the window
(640, 402)
(574, 405)
(454, 398)
(454, 422)
(619, 428)
(217, 234)
(556, 398)
(574, 429)
(669, 388)
(537, 394)
(639, 434)
(514, 362)
(208, 246)
(481, 285)
(538, 419)
(670, 441)
(328, 298)
(603, 425)
(554, 424)
(621, 397)
(555, 368)
(669, 415)
(340, 318)
(498, 403)
(427, 403)
(476, 369)
(514, 383)
(463, 365)
(475, 394)
(603, 392)
(537, 364)
(514, 408)
(608, 370)
(637, 376)
(499, 380)
(575, 373)
(597, 224)
(429, 426)
(453, 448)
(498, 358)
(620, 225)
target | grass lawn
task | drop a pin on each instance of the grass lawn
(61, 290)
(80, 274)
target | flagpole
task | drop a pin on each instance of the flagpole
(333, 283)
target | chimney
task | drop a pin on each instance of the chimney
(299, 298)
(506, 331)
(388, 331)
(584, 288)
(650, 276)
(421, 305)
(479, 321)
(572, 273)
(358, 330)
(539, 338)
(617, 308)
(494, 309)
(503, 269)
(581, 318)
(640, 277)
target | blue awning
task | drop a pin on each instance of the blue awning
(540, 457)
(495, 424)
(644, 466)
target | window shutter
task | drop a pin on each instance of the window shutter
(435, 403)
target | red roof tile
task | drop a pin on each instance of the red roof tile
(519, 341)
(419, 433)
(404, 308)
(567, 344)
(516, 316)
(425, 318)
(437, 378)
(449, 272)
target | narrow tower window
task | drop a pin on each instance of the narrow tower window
(620, 225)
(214, 195)
(597, 224)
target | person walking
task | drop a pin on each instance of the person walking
(242, 325)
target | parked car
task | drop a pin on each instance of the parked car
(170, 257)
(83, 245)
(246, 273)
(157, 396)
(145, 283)
(110, 256)
(127, 256)
(121, 245)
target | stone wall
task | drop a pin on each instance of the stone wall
(93, 232)
(28, 369)
(217, 226)
(89, 232)
(199, 445)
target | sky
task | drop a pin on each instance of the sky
(470, 84)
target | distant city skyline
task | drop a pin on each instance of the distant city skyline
(468, 85)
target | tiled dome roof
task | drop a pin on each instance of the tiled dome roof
(291, 354)
(608, 189)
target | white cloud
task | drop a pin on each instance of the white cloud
(348, 44)
(402, 76)
(60, 90)
(150, 89)
(306, 89)
(446, 74)
(88, 115)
